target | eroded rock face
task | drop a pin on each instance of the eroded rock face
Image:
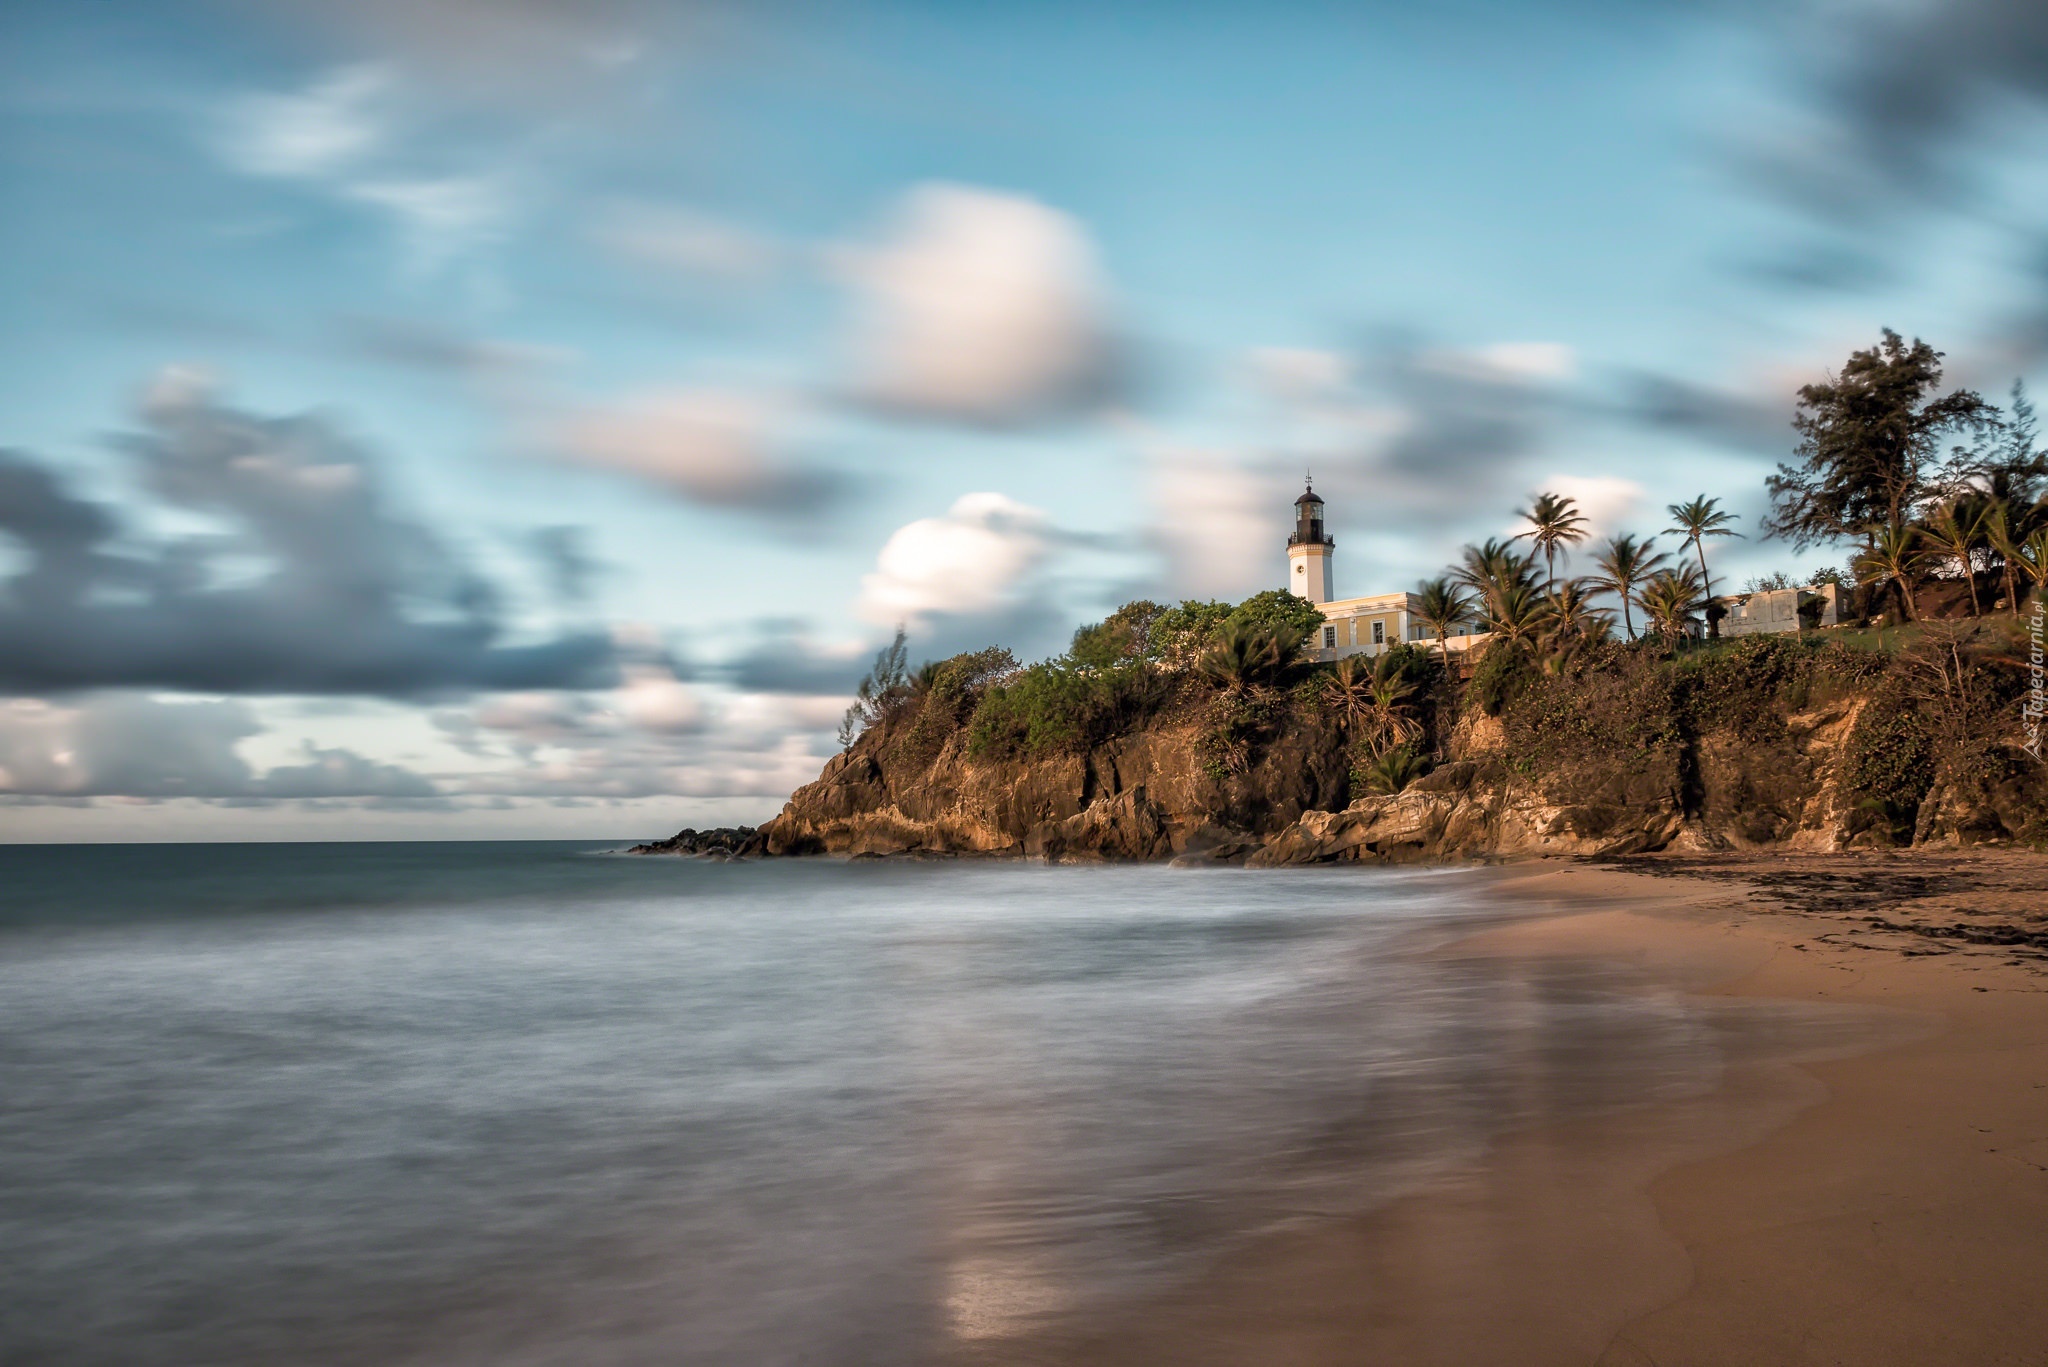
(1157, 795)
(1146, 796)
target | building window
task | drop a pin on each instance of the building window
(1379, 633)
(1329, 638)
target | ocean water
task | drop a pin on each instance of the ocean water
(537, 1103)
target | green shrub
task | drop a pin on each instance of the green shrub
(1179, 634)
(1746, 687)
(1887, 765)
(1276, 609)
(1504, 669)
(1617, 713)
(1059, 707)
(1122, 637)
(947, 693)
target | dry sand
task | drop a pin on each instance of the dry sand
(1875, 1196)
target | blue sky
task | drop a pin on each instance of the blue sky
(462, 419)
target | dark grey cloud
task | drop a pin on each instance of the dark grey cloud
(1913, 80)
(330, 773)
(564, 556)
(1464, 416)
(1744, 421)
(1901, 111)
(1465, 426)
(789, 665)
(314, 586)
(126, 744)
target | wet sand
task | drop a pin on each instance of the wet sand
(1870, 1193)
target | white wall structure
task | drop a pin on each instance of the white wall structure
(1777, 610)
(1353, 626)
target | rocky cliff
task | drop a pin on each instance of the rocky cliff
(1764, 743)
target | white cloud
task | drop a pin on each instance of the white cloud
(654, 700)
(1605, 501)
(322, 130)
(969, 560)
(1513, 362)
(713, 446)
(980, 306)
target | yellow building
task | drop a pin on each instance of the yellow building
(1352, 626)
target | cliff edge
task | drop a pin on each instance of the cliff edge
(1765, 742)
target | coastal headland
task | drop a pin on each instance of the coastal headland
(1817, 743)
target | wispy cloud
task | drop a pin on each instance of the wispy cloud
(324, 130)
(351, 133)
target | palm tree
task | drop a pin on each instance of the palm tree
(1347, 688)
(2031, 556)
(1441, 607)
(1573, 615)
(1246, 653)
(1998, 530)
(1493, 566)
(1390, 716)
(1624, 565)
(1393, 769)
(1372, 697)
(1669, 598)
(1553, 521)
(1701, 518)
(1892, 555)
(1953, 533)
(1519, 612)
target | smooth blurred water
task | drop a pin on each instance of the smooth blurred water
(532, 1104)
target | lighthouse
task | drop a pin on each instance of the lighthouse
(1308, 551)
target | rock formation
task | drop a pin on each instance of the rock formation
(1760, 756)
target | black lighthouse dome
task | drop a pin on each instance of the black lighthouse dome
(1308, 521)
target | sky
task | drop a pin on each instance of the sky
(450, 419)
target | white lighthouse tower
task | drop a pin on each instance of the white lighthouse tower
(1308, 551)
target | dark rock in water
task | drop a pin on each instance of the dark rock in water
(724, 843)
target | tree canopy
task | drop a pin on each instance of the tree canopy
(1869, 442)
(1277, 608)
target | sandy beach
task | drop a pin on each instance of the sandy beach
(1867, 1185)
